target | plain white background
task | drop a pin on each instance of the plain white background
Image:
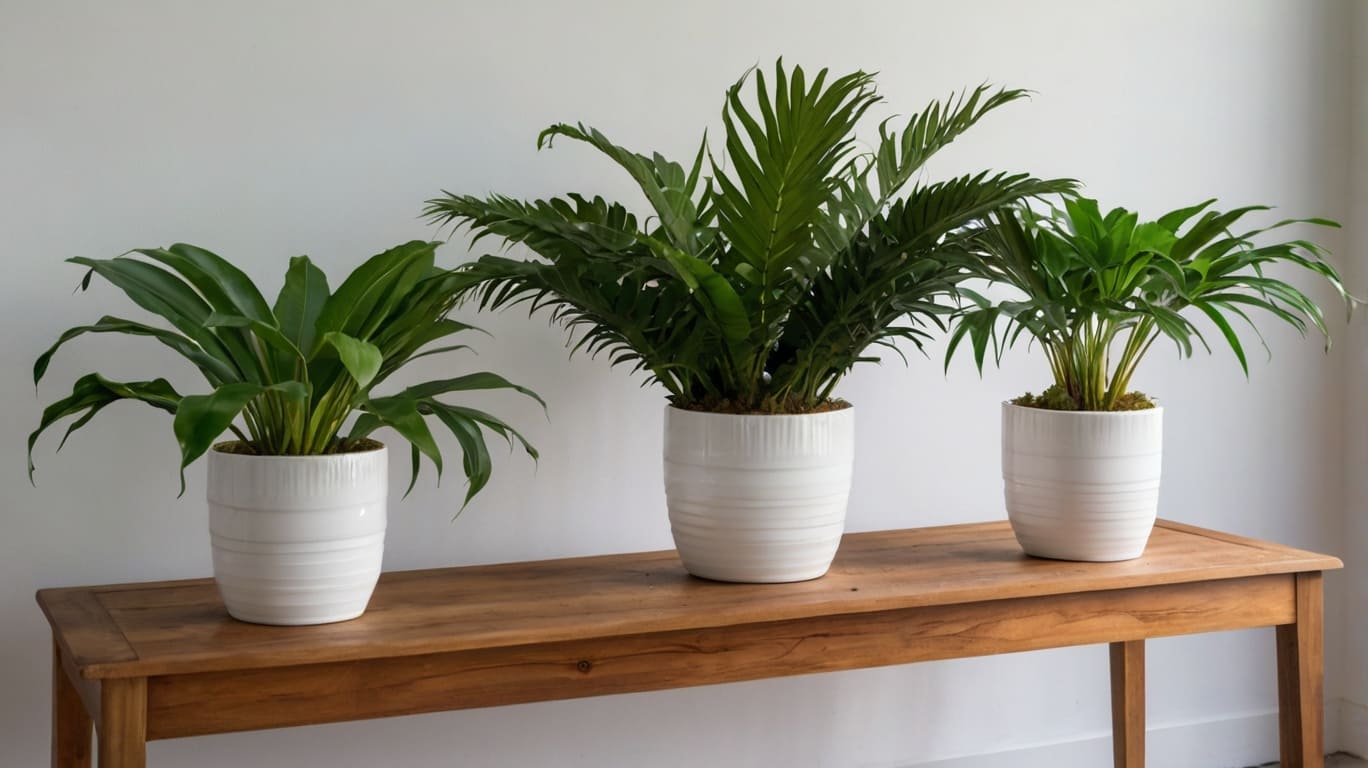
(264, 130)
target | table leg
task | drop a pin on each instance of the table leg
(1301, 671)
(70, 723)
(1128, 703)
(123, 723)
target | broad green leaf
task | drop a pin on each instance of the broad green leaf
(214, 369)
(267, 333)
(300, 301)
(492, 423)
(401, 414)
(383, 277)
(362, 359)
(259, 371)
(467, 383)
(474, 452)
(201, 419)
(227, 288)
(90, 394)
(162, 293)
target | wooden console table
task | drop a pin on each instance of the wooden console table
(163, 660)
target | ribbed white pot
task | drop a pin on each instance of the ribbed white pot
(1081, 485)
(758, 498)
(297, 539)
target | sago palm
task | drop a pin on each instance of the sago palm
(766, 269)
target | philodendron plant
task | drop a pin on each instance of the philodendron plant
(770, 265)
(286, 378)
(1096, 290)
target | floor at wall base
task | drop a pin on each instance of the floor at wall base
(1353, 728)
(1227, 743)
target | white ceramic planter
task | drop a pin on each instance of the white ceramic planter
(758, 498)
(297, 539)
(1081, 485)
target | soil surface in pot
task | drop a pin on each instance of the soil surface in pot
(346, 446)
(767, 408)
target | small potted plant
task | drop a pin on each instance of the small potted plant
(297, 501)
(1081, 461)
(762, 275)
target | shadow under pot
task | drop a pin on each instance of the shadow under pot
(1081, 485)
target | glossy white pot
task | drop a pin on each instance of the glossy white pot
(297, 539)
(758, 498)
(1081, 485)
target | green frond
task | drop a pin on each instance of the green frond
(1098, 288)
(779, 257)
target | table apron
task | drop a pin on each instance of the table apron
(239, 700)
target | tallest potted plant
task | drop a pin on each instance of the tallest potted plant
(765, 271)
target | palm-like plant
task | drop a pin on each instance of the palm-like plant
(1090, 281)
(293, 372)
(766, 273)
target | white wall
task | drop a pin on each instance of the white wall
(263, 130)
(1353, 715)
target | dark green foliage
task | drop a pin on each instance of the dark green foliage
(1088, 279)
(291, 373)
(763, 274)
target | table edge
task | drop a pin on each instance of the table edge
(105, 666)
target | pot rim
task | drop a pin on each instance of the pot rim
(214, 450)
(1156, 410)
(850, 408)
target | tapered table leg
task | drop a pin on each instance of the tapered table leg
(70, 722)
(1301, 672)
(123, 723)
(1128, 703)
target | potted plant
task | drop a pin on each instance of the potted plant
(297, 500)
(763, 274)
(1081, 461)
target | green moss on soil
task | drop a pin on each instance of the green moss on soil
(1056, 398)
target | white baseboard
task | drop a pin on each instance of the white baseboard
(1353, 727)
(1227, 743)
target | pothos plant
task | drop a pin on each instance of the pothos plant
(286, 378)
(1096, 290)
(770, 265)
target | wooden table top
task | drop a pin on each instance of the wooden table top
(173, 627)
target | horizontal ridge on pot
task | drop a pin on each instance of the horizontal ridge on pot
(297, 539)
(758, 498)
(1081, 485)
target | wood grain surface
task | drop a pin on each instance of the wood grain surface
(164, 660)
(213, 702)
(1128, 703)
(1301, 673)
(181, 626)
